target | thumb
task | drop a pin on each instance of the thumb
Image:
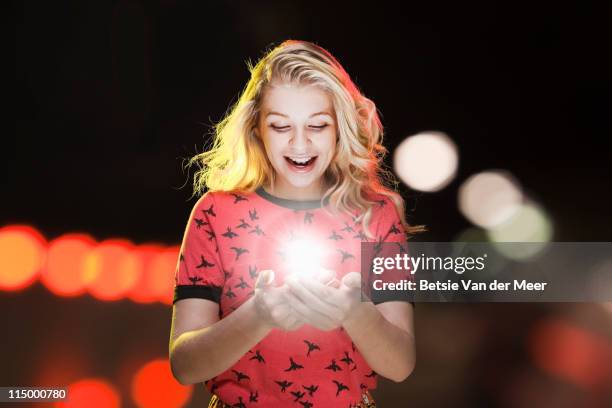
(265, 278)
(352, 280)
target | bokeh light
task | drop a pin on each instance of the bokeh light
(65, 268)
(160, 276)
(154, 386)
(111, 269)
(22, 254)
(91, 393)
(145, 289)
(427, 161)
(529, 225)
(571, 353)
(490, 198)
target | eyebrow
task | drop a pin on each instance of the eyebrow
(285, 116)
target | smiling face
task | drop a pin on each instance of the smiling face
(298, 129)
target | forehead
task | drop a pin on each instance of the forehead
(296, 100)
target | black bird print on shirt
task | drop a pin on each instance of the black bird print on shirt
(229, 293)
(253, 215)
(253, 396)
(211, 234)
(239, 251)
(341, 387)
(311, 347)
(204, 263)
(382, 202)
(239, 404)
(345, 255)
(195, 279)
(347, 359)
(238, 198)
(258, 357)
(257, 231)
(372, 374)
(361, 236)
(229, 234)
(334, 236)
(240, 375)
(200, 223)
(253, 271)
(311, 389)
(294, 366)
(308, 217)
(306, 404)
(243, 224)
(242, 284)
(348, 228)
(284, 384)
(210, 211)
(393, 230)
(297, 395)
(333, 366)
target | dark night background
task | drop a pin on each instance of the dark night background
(112, 97)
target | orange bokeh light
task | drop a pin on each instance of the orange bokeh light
(162, 272)
(91, 393)
(154, 386)
(571, 353)
(22, 254)
(65, 271)
(143, 291)
(111, 269)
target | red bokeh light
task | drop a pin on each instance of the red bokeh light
(155, 387)
(161, 278)
(571, 353)
(91, 393)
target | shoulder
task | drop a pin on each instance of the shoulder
(217, 201)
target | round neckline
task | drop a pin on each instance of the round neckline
(288, 203)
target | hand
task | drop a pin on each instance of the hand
(325, 307)
(273, 305)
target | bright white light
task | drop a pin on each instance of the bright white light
(529, 224)
(426, 161)
(304, 256)
(490, 198)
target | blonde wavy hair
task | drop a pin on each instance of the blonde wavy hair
(237, 160)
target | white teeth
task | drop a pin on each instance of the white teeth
(302, 160)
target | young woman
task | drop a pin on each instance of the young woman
(297, 159)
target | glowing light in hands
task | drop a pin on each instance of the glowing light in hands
(304, 257)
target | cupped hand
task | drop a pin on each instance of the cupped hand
(273, 305)
(324, 306)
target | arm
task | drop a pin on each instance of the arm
(384, 335)
(202, 346)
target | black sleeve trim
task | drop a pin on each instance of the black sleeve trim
(197, 291)
(393, 300)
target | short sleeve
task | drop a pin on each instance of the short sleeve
(199, 272)
(391, 241)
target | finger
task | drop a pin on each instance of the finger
(352, 280)
(309, 315)
(314, 302)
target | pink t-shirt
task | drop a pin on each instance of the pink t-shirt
(229, 239)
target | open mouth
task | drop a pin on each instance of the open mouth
(305, 163)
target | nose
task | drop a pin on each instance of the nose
(299, 140)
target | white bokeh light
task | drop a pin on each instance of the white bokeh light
(529, 224)
(490, 198)
(426, 161)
